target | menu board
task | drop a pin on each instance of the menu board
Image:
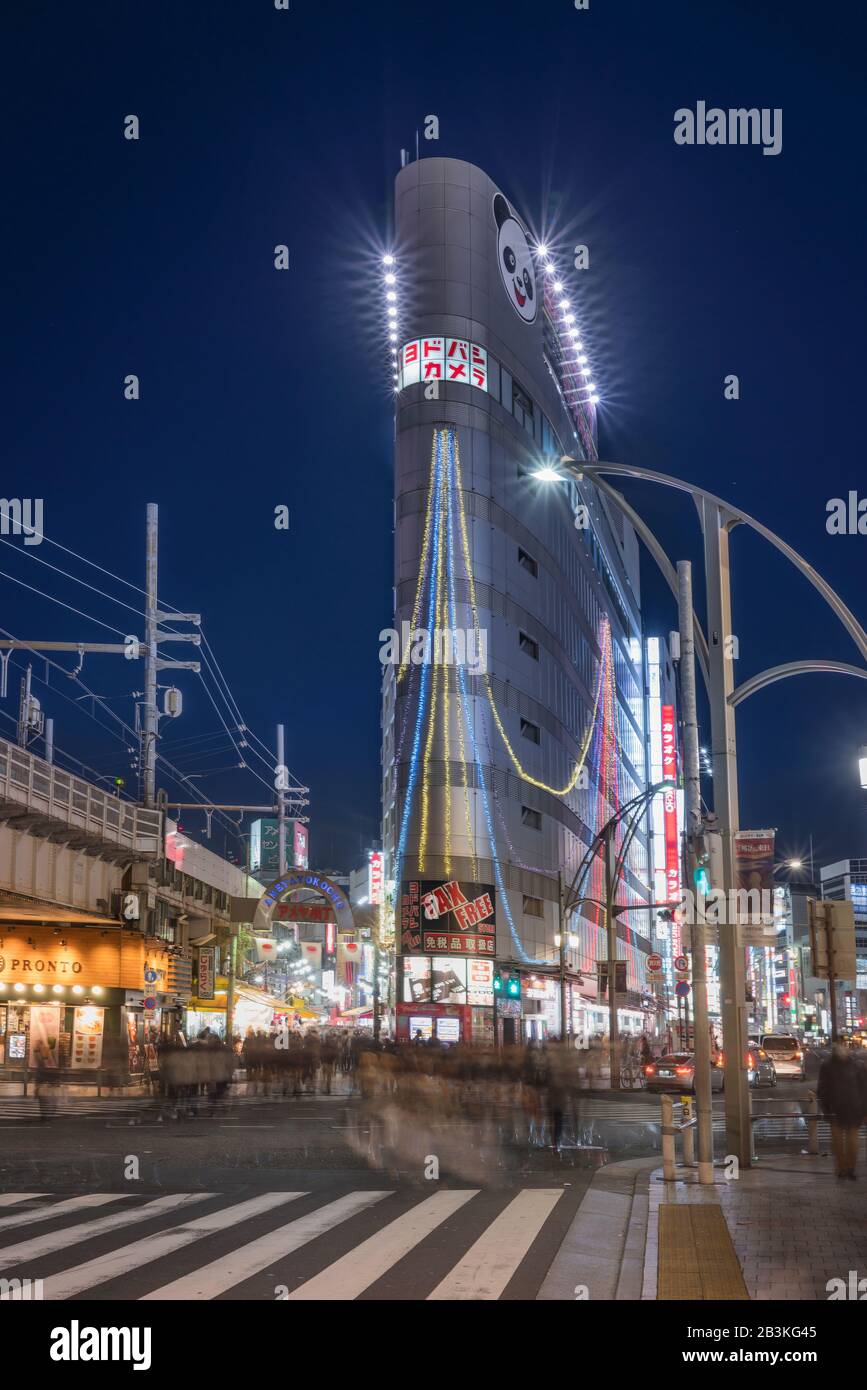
(87, 1034)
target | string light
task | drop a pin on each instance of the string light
(436, 678)
(463, 715)
(425, 677)
(522, 953)
(416, 606)
(534, 781)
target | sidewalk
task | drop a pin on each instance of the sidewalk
(782, 1230)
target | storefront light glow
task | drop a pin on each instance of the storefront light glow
(77, 989)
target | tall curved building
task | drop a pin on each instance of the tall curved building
(513, 697)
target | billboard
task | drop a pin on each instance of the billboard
(447, 918)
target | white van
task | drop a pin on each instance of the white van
(786, 1053)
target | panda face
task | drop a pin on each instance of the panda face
(516, 264)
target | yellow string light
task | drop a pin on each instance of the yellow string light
(447, 856)
(462, 718)
(425, 546)
(435, 680)
(534, 781)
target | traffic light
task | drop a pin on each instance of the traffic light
(701, 880)
(498, 982)
(513, 987)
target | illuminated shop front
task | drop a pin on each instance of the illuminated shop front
(76, 996)
(446, 982)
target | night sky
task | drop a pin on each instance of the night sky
(260, 387)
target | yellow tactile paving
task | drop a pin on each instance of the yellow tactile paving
(696, 1257)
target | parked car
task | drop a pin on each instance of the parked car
(676, 1072)
(787, 1054)
(760, 1068)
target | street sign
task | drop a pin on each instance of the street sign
(681, 989)
(654, 965)
(681, 963)
(150, 1001)
(150, 976)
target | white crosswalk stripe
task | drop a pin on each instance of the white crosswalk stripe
(11, 1199)
(222, 1274)
(480, 1265)
(72, 1235)
(72, 1204)
(487, 1267)
(356, 1271)
(140, 1252)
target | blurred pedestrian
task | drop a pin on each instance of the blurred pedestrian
(842, 1094)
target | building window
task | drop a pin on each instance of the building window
(528, 645)
(531, 731)
(533, 907)
(528, 563)
(531, 817)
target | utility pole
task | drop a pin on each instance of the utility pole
(692, 797)
(717, 523)
(611, 928)
(281, 801)
(561, 944)
(153, 663)
(24, 709)
(149, 730)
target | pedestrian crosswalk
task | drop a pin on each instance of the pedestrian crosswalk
(450, 1244)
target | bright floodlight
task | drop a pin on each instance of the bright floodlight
(541, 250)
(796, 864)
(390, 279)
(546, 474)
(557, 286)
(391, 295)
(388, 260)
(862, 766)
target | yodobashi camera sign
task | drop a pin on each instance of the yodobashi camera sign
(448, 917)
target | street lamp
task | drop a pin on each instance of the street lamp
(614, 859)
(718, 518)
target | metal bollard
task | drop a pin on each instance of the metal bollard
(669, 1168)
(688, 1114)
(812, 1123)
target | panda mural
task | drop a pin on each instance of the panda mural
(515, 261)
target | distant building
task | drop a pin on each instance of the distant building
(847, 879)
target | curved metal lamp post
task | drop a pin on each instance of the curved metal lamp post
(571, 899)
(718, 519)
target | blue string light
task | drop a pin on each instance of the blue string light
(498, 874)
(425, 673)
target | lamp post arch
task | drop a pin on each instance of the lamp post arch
(718, 519)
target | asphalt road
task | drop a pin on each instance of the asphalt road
(272, 1197)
